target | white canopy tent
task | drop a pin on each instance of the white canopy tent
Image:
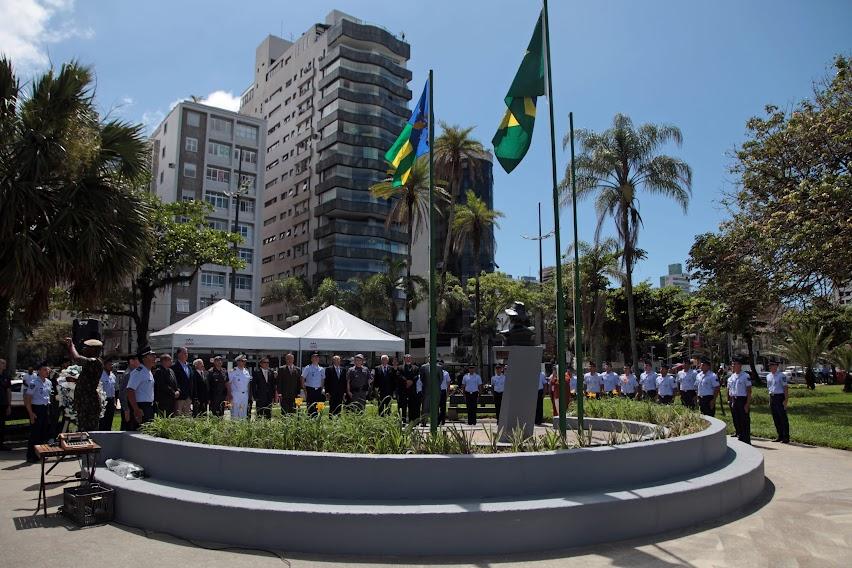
(333, 329)
(223, 326)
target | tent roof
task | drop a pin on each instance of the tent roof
(223, 326)
(336, 329)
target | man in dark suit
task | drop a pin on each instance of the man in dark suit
(335, 385)
(165, 387)
(183, 375)
(263, 388)
(200, 388)
(425, 378)
(289, 384)
(406, 392)
(385, 380)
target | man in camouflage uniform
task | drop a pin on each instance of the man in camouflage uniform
(87, 402)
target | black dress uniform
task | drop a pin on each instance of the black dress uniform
(385, 380)
(217, 380)
(407, 392)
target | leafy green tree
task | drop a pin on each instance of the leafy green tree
(451, 300)
(472, 225)
(69, 213)
(796, 189)
(293, 293)
(614, 166)
(806, 345)
(46, 342)
(182, 241)
(455, 148)
(411, 209)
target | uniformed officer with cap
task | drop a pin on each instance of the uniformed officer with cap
(37, 402)
(140, 389)
(707, 388)
(313, 378)
(217, 379)
(239, 381)
(665, 385)
(358, 383)
(498, 386)
(687, 382)
(648, 382)
(87, 401)
(472, 385)
(739, 393)
(779, 392)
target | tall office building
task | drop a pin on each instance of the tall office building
(676, 277)
(334, 101)
(206, 153)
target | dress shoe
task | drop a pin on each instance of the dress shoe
(777, 440)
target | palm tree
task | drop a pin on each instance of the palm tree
(614, 166)
(599, 263)
(472, 225)
(291, 292)
(70, 213)
(411, 208)
(453, 148)
(842, 357)
(806, 345)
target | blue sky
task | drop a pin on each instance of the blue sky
(703, 66)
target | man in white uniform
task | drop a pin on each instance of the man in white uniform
(239, 381)
(592, 381)
(779, 392)
(498, 386)
(610, 380)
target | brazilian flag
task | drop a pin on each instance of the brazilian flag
(515, 132)
(412, 143)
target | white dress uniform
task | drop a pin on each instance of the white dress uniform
(738, 385)
(666, 387)
(648, 381)
(629, 384)
(592, 382)
(239, 380)
(610, 381)
(498, 383)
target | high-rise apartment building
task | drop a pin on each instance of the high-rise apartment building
(676, 277)
(206, 153)
(334, 101)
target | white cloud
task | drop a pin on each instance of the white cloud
(151, 119)
(28, 26)
(222, 99)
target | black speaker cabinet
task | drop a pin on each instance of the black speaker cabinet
(84, 329)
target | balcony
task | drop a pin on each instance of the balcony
(368, 78)
(366, 32)
(346, 207)
(338, 251)
(361, 229)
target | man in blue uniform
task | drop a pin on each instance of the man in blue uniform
(313, 377)
(779, 392)
(108, 384)
(707, 388)
(739, 391)
(140, 389)
(648, 383)
(37, 400)
(687, 382)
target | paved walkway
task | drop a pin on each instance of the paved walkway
(804, 519)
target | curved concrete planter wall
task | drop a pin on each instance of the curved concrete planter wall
(409, 504)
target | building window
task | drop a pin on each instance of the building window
(244, 231)
(220, 150)
(248, 156)
(248, 181)
(246, 255)
(246, 206)
(246, 132)
(182, 305)
(217, 224)
(268, 240)
(243, 304)
(187, 196)
(243, 282)
(212, 279)
(193, 118)
(185, 283)
(216, 199)
(269, 221)
(267, 279)
(267, 260)
(221, 125)
(191, 144)
(207, 301)
(188, 170)
(218, 174)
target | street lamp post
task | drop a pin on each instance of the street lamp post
(540, 238)
(242, 189)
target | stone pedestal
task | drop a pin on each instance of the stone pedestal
(519, 398)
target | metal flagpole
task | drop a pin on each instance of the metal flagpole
(578, 320)
(434, 384)
(560, 312)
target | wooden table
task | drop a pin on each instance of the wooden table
(57, 455)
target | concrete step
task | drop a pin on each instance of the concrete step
(423, 527)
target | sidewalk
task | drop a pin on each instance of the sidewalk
(804, 519)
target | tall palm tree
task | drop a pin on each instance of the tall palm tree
(614, 166)
(472, 225)
(292, 293)
(410, 208)
(70, 212)
(453, 149)
(806, 345)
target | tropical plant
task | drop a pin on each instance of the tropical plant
(806, 345)
(614, 166)
(451, 299)
(455, 149)
(293, 293)
(411, 209)
(473, 224)
(69, 213)
(380, 292)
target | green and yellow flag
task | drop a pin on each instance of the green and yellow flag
(412, 143)
(515, 132)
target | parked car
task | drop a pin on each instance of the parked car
(795, 375)
(19, 411)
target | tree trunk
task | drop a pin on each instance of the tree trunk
(477, 343)
(408, 288)
(454, 196)
(5, 327)
(628, 291)
(751, 359)
(146, 299)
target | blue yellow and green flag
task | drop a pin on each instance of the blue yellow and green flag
(412, 143)
(515, 131)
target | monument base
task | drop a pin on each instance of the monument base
(523, 365)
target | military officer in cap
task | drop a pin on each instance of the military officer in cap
(313, 378)
(779, 392)
(687, 383)
(217, 379)
(239, 381)
(87, 402)
(140, 390)
(358, 383)
(665, 385)
(498, 387)
(37, 401)
(739, 392)
(472, 384)
(707, 388)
